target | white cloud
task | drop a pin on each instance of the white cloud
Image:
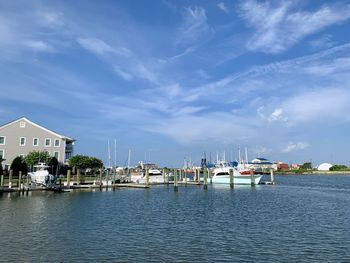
(223, 7)
(122, 73)
(195, 25)
(326, 105)
(38, 45)
(295, 146)
(95, 45)
(278, 28)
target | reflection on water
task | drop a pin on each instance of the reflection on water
(301, 219)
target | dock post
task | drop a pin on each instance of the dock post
(175, 181)
(252, 181)
(147, 176)
(78, 177)
(68, 178)
(205, 178)
(2, 181)
(164, 176)
(231, 178)
(107, 177)
(168, 177)
(185, 177)
(209, 175)
(10, 178)
(19, 181)
(114, 180)
(272, 176)
(101, 179)
(199, 175)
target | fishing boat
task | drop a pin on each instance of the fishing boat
(42, 177)
(155, 175)
(221, 175)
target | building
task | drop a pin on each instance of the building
(282, 166)
(21, 136)
(324, 167)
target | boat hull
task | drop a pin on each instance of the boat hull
(240, 179)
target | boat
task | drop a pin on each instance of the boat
(221, 175)
(155, 175)
(42, 177)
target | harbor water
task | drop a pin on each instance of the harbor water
(300, 219)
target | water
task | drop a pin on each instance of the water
(301, 219)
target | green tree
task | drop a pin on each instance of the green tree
(19, 164)
(306, 166)
(36, 157)
(338, 167)
(53, 163)
(84, 162)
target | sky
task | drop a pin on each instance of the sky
(174, 80)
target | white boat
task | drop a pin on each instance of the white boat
(221, 175)
(41, 176)
(155, 175)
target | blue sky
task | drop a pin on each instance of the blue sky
(174, 79)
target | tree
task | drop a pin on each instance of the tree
(36, 157)
(84, 162)
(19, 164)
(306, 166)
(53, 163)
(338, 167)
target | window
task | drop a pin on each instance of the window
(57, 143)
(56, 155)
(22, 124)
(35, 142)
(2, 154)
(22, 141)
(2, 140)
(47, 142)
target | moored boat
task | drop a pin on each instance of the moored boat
(221, 175)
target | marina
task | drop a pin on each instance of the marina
(286, 222)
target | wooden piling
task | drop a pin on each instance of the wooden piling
(164, 176)
(209, 176)
(185, 177)
(175, 181)
(68, 178)
(147, 176)
(2, 181)
(252, 180)
(272, 176)
(205, 178)
(199, 175)
(10, 178)
(107, 177)
(19, 181)
(231, 178)
(101, 179)
(78, 176)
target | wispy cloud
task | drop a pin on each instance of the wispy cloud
(223, 7)
(38, 45)
(279, 27)
(195, 25)
(95, 45)
(295, 146)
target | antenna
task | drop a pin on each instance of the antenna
(109, 155)
(115, 153)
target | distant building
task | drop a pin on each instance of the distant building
(295, 166)
(282, 166)
(324, 167)
(21, 136)
(261, 164)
